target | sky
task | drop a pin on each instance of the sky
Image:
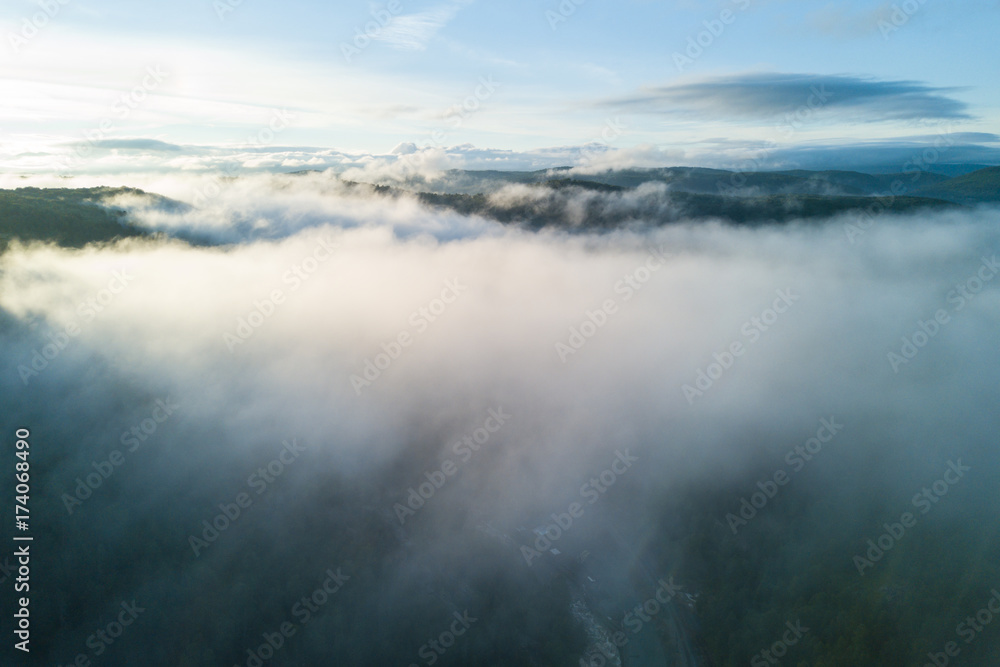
(199, 84)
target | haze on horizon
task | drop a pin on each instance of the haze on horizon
(212, 84)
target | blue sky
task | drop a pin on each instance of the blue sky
(513, 84)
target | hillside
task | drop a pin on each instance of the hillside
(67, 217)
(76, 217)
(555, 206)
(979, 186)
(696, 180)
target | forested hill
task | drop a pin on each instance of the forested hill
(67, 217)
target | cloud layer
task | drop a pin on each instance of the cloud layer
(96, 162)
(769, 95)
(378, 335)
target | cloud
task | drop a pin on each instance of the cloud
(769, 95)
(425, 163)
(598, 158)
(494, 347)
(406, 163)
(132, 145)
(412, 32)
(944, 153)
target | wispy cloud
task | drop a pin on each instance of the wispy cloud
(153, 145)
(154, 158)
(411, 32)
(769, 94)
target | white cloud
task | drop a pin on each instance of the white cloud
(412, 32)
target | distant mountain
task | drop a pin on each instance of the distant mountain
(696, 180)
(942, 168)
(783, 208)
(760, 183)
(569, 205)
(560, 183)
(978, 187)
(855, 182)
(550, 198)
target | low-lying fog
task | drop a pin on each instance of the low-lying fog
(434, 388)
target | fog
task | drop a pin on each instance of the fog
(363, 337)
